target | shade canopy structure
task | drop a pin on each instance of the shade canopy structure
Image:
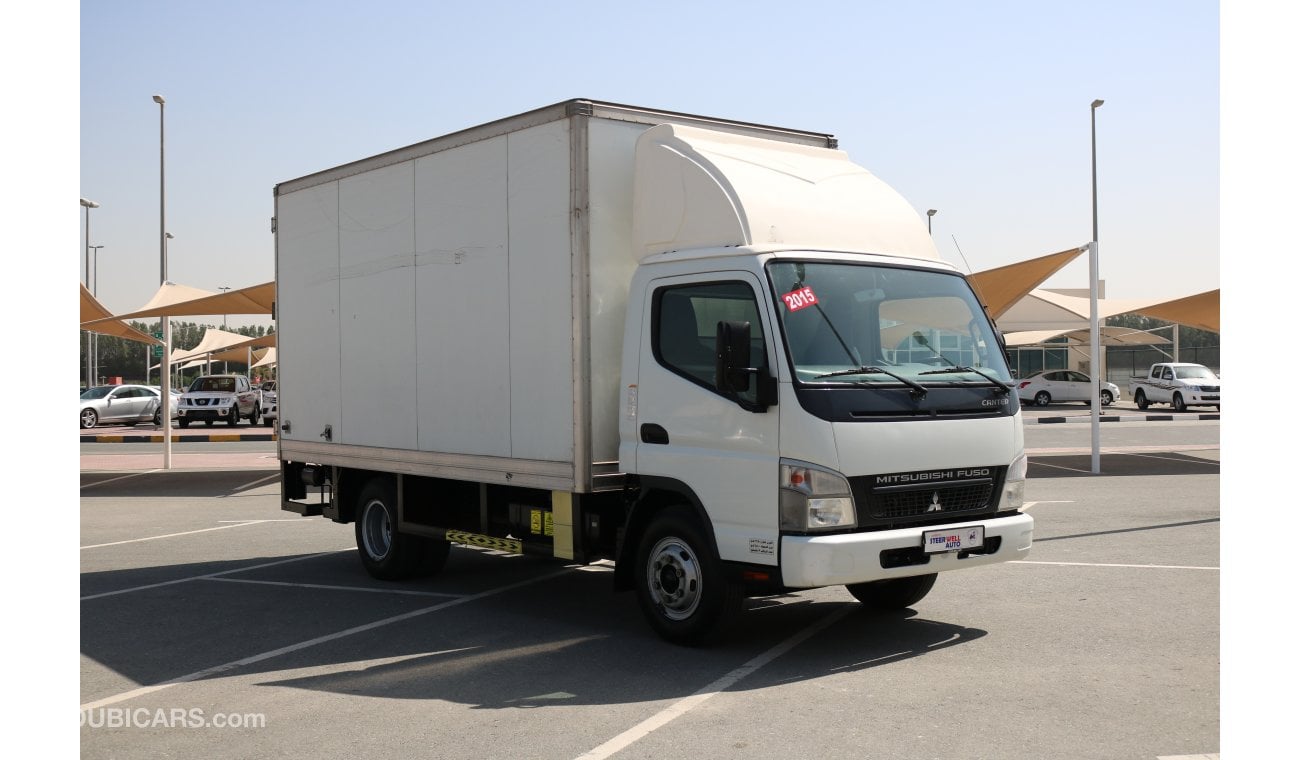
(1001, 288)
(1200, 311)
(103, 322)
(173, 300)
(1110, 336)
(267, 359)
(1048, 310)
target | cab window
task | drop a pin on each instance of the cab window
(684, 329)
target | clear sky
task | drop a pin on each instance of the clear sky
(979, 110)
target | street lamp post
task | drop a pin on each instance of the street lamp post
(1094, 326)
(88, 205)
(165, 369)
(223, 289)
(94, 291)
(929, 215)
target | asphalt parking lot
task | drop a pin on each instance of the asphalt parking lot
(215, 625)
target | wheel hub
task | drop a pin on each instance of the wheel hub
(674, 578)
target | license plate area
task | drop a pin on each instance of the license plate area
(953, 539)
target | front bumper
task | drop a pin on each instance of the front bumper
(814, 561)
(214, 413)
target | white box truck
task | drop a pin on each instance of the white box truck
(720, 354)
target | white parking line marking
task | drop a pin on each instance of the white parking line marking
(189, 578)
(1103, 564)
(258, 482)
(229, 666)
(336, 588)
(1207, 756)
(114, 480)
(685, 705)
(239, 524)
(1029, 504)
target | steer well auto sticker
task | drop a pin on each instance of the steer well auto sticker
(798, 299)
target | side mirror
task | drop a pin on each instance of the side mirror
(732, 372)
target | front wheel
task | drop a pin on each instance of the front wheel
(257, 412)
(1140, 399)
(681, 586)
(1107, 398)
(89, 418)
(1179, 404)
(893, 594)
(233, 419)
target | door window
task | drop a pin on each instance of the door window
(685, 323)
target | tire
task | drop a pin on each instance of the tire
(157, 417)
(1042, 398)
(385, 553)
(257, 412)
(208, 423)
(233, 419)
(1107, 398)
(89, 418)
(680, 583)
(183, 422)
(893, 594)
(1179, 405)
(1140, 399)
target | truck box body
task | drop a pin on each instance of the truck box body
(456, 307)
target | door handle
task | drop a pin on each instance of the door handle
(652, 433)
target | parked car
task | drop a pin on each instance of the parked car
(209, 398)
(176, 402)
(1043, 388)
(270, 405)
(127, 404)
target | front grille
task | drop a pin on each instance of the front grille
(1209, 389)
(908, 498)
(970, 498)
(201, 402)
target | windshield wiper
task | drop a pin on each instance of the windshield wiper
(918, 391)
(999, 386)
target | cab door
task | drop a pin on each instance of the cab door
(721, 446)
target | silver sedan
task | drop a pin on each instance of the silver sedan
(126, 404)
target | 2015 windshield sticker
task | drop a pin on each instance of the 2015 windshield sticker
(799, 299)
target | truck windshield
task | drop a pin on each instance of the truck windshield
(1194, 373)
(860, 324)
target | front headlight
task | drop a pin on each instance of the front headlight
(1013, 493)
(815, 499)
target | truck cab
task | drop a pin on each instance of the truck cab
(808, 378)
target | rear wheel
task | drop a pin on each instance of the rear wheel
(1140, 399)
(387, 554)
(89, 418)
(680, 583)
(1107, 398)
(893, 594)
(1179, 404)
(1042, 398)
(183, 422)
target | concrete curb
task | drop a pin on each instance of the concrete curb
(1124, 418)
(178, 437)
